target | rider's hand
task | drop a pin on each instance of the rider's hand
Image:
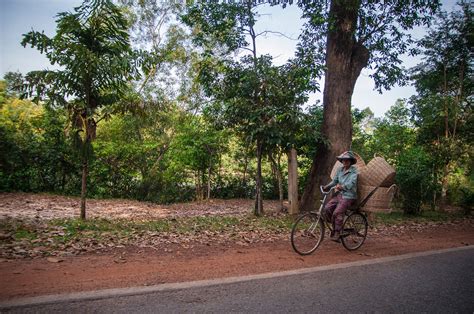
(338, 187)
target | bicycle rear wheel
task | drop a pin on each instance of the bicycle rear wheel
(354, 231)
(307, 233)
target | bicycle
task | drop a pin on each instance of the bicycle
(308, 230)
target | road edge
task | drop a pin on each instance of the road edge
(108, 293)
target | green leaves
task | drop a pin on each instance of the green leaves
(442, 110)
(92, 46)
(37, 40)
(34, 152)
(218, 27)
(415, 178)
(382, 28)
(255, 98)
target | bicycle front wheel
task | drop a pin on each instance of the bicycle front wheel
(354, 231)
(307, 233)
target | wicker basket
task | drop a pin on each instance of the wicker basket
(379, 201)
(359, 165)
(363, 191)
(377, 173)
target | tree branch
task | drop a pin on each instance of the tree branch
(245, 48)
(157, 30)
(378, 27)
(276, 33)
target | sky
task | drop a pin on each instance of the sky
(18, 17)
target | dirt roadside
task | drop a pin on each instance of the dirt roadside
(141, 267)
(166, 262)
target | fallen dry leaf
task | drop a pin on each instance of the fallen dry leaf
(120, 261)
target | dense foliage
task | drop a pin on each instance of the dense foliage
(96, 61)
(201, 123)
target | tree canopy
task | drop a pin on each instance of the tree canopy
(347, 37)
(199, 113)
(96, 61)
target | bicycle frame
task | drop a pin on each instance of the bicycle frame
(323, 204)
(325, 196)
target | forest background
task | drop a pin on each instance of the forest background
(179, 125)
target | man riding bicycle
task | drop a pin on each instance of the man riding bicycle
(345, 182)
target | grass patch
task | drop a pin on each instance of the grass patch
(398, 217)
(206, 223)
(25, 234)
(124, 227)
(70, 230)
(274, 223)
(19, 230)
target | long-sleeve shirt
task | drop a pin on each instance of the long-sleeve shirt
(348, 180)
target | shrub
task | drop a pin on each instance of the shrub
(467, 199)
(415, 179)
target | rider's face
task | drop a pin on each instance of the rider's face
(346, 162)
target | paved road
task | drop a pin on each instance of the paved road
(442, 282)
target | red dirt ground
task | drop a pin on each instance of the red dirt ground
(133, 266)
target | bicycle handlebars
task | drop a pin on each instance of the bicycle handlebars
(326, 193)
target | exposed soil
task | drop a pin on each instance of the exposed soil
(166, 263)
(45, 206)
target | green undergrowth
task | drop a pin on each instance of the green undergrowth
(398, 217)
(175, 225)
(65, 230)
(71, 229)
(24, 233)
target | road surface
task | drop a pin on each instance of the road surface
(435, 282)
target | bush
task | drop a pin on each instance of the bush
(228, 187)
(415, 179)
(467, 199)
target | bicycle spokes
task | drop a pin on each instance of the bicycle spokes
(307, 233)
(354, 231)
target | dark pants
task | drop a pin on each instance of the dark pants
(335, 210)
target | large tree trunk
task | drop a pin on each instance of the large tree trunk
(345, 58)
(293, 181)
